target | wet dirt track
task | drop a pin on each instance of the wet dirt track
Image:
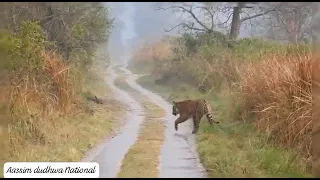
(178, 158)
(110, 154)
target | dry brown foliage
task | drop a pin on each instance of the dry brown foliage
(278, 91)
(59, 71)
(38, 96)
(316, 117)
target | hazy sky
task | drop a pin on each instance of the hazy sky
(135, 22)
(128, 31)
(127, 17)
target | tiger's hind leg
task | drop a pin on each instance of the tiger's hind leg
(180, 119)
(196, 122)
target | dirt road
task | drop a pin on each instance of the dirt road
(178, 157)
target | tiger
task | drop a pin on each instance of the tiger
(192, 108)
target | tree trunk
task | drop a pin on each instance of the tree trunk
(315, 26)
(235, 24)
(14, 22)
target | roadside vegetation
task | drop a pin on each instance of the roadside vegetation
(50, 70)
(259, 89)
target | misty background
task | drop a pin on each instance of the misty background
(138, 22)
(135, 23)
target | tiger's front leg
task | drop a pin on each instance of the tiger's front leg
(180, 119)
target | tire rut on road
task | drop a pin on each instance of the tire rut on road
(110, 154)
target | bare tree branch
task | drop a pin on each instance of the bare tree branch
(185, 25)
(189, 11)
(226, 20)
(49, 17)
(14, 22)
(257, 15)
(211, 15)
(294, 20)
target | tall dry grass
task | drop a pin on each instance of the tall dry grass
(59, 71)
(316, 115)
(278, 91)
(36, 100)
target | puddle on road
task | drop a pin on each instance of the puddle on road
(179, 157)
(111, 153)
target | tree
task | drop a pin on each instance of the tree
(70, 26)
(211, 13)
(189, 9)
(236, 21)
(292, 22)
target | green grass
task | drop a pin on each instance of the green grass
(238, 151)
(233, 149)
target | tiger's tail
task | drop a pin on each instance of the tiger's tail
(209, 114)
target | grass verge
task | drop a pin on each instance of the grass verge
(234, 149)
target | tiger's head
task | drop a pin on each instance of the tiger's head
(175, 109)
